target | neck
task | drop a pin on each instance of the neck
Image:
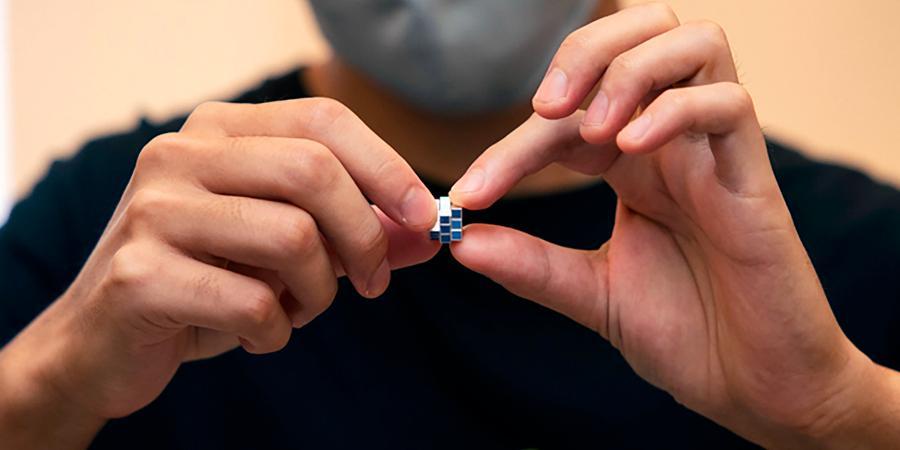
(439, 148)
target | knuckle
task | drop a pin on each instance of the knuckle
(159, 150)
(204, 113)
(711, 32)
(329, 294)
(317, 169)
(676, 98)
(325, 112)
(371, 241)
(232, 210)
(206, 110)
(146, 205)
(130, 268)
(625, 63)
(205, 286)
(282, 335)
(391, 168)
(576, 43)
(300, 237)
(239, 145)
(259, 307)
(740, 98)
(662, 13)
(318, 303)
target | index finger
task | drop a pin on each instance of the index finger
(536, 144)
(381, 174)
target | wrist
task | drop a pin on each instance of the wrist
(865, 414)
(35, 412)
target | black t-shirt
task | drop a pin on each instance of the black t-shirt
(446, 359)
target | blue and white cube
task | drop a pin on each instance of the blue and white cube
(449, 224)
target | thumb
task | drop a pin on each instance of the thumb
(571, 282)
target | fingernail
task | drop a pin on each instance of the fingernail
(596, 113)
(379, 280)
(554, 87)
(417, 209)
(472, 181)
(638, 128)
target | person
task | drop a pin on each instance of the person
(687, 282)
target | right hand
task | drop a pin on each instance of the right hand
(230, 232)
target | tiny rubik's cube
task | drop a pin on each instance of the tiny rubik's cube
(449, 225)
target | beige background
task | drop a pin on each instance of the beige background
(824, 73)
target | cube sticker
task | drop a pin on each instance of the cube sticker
(448, 227)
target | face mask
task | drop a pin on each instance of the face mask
(452, 56)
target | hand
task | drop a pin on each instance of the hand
(704, 285)
(230, 232)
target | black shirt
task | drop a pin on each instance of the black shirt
(446, 359)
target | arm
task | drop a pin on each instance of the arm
(34, 412)
(38, 245)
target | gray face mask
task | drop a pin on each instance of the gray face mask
(452, 56)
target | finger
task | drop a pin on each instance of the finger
(299, 313)
(299, 171)
(198, 294)
(263, 234)
(692, 54)
(379, 171)
(275, 236)
(568, 281)
(724, 111)
(586, 53)
(536, 144)
(406, 247)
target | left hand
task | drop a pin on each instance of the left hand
(704, 285)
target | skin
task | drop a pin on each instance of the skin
(734, 323)
(231, 232)
(225, 238)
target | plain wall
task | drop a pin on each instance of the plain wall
(6, 171)
(823, 73)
